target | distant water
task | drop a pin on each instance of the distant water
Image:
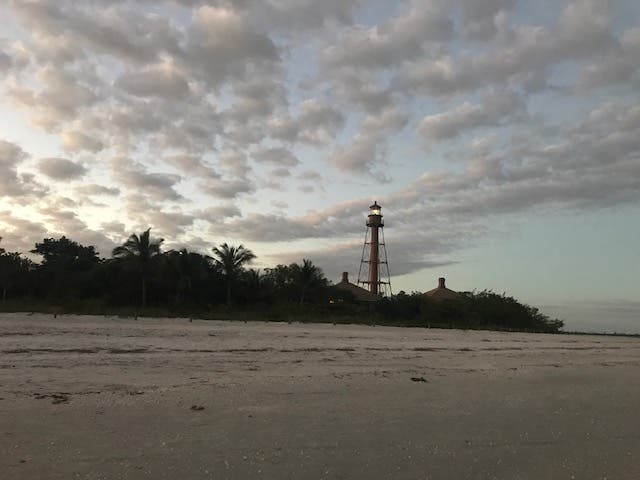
(609, 317)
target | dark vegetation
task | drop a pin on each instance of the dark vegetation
(141, 279)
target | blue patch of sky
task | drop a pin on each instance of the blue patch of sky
(538, 12)
(377, 12)
(174, 12)
(301, 65)
(627, 13)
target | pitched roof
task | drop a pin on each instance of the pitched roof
(359, 293)
(442, 292)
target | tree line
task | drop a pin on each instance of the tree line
(140, 278)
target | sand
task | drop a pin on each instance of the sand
(108, 398)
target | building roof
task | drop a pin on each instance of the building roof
(360, 294)
(442, 292)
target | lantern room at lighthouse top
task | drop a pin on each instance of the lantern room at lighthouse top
(375, 215)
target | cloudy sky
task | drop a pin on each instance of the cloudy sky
(502, 137)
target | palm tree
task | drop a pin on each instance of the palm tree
(187, 267)
(307, 275)
(231, 261)
(140, 250)
(253, 285)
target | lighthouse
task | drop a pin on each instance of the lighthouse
(374, 266)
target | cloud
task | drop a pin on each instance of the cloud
(302, 17)
(281, 172)
(346, 257)
(405, 36)
(363, 91)
(170, 224)
(12, 183)
(254, 100)
(118, 31)
(94, 189)
(227, 188)
(311, 176)
(61, 168)
(582, 32)
(497, 108)
(156, 81)
(62, 96)
(389, 121)
(440, 212)
(311, 184)
(340, 219)
(114, 230)
(316, 124)
(359, 156)
(135, 177)
(576, 167)
(367, 149)
(235, 163)
(75, 141)
(145, 213)
(271, 227)
(222, 44)
(484, 19)
(5, 61)
(60, 220)
(218, 213)
(10, 156)
(276, 156)
(20, 234)
(617, 67)
(192, 166)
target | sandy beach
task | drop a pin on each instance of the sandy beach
(110, 398)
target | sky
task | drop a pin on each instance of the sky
(501, 137)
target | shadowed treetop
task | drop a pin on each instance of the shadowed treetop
(141, 247)
(65, 254)
(231, 259)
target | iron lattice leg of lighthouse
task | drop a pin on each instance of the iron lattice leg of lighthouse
(374, 274)
(385, 265)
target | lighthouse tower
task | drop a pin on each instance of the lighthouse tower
(374, 267)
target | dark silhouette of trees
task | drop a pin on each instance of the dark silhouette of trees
(66, 268)
(72, 277)
(64, 255)
(296, 283)
(280, 282)
(14, 271)
(187, 270)
(254, 290)
(231, 260)
(482, 310)
(307, 276)
(140, 252)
